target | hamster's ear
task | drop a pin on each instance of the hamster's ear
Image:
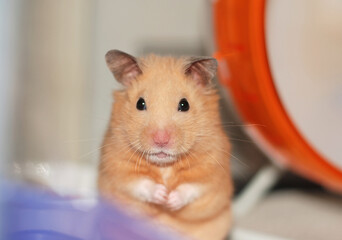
(124, 67)
(201, 69)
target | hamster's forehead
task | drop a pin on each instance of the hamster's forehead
(163, 77)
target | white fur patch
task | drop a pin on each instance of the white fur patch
(148, 191)
(183, 195)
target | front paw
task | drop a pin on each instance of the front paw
(147, 190)
(159, 195)
(175, 201)
(182, 196)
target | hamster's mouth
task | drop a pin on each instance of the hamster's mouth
(161, 154)
(162, 157)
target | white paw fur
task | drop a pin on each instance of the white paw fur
(160, 194)
(149, 191)
(182, 195)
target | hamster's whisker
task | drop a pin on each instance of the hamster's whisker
(141, 157)
(125, 150)
(147, 159)
(83, 140)
(177, 159)
(135, 144)
(117, 128)
(231, 155)
(179, 156)
(239, 161)
(94, 151)
(241, 140)
(138, 160)
(192, 155)
(207, 134)
(203, 135)
(136, 163)
(127, 147)
(236, 158)
(217, 162)
(127, 162)
(104, 167)
(187, 160)
(187, 154)
(230, 124)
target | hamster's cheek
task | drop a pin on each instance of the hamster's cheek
(185, 136)
(133, 124)
(187, 141)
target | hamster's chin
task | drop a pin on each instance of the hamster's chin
(162, 157)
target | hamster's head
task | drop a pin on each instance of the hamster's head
(167, 105)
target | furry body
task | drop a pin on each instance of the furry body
(186, 184)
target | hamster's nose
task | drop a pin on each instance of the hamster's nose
(161, 138)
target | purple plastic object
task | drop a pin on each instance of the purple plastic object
(31, 214)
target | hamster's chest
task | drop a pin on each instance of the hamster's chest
(166, 173)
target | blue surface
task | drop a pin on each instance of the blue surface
(31, 214)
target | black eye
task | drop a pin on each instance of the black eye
(141, 105)
(183, 105)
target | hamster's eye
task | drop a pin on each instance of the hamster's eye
(183, 105)
(141, 105)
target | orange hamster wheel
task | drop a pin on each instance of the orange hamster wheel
(244, 70)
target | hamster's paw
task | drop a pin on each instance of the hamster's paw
(175, 201)
(160, 194)
(148, 191)
(182, 195)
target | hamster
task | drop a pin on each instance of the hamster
(165, 153)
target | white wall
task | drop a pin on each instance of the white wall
(9, 45)
(304, 40)
(44, 62)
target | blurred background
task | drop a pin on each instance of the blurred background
(56, 90)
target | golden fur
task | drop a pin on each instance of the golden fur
(198, 138)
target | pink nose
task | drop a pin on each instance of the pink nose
(161, 138)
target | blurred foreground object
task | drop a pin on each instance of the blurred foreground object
(31, 214)
(279, 60)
